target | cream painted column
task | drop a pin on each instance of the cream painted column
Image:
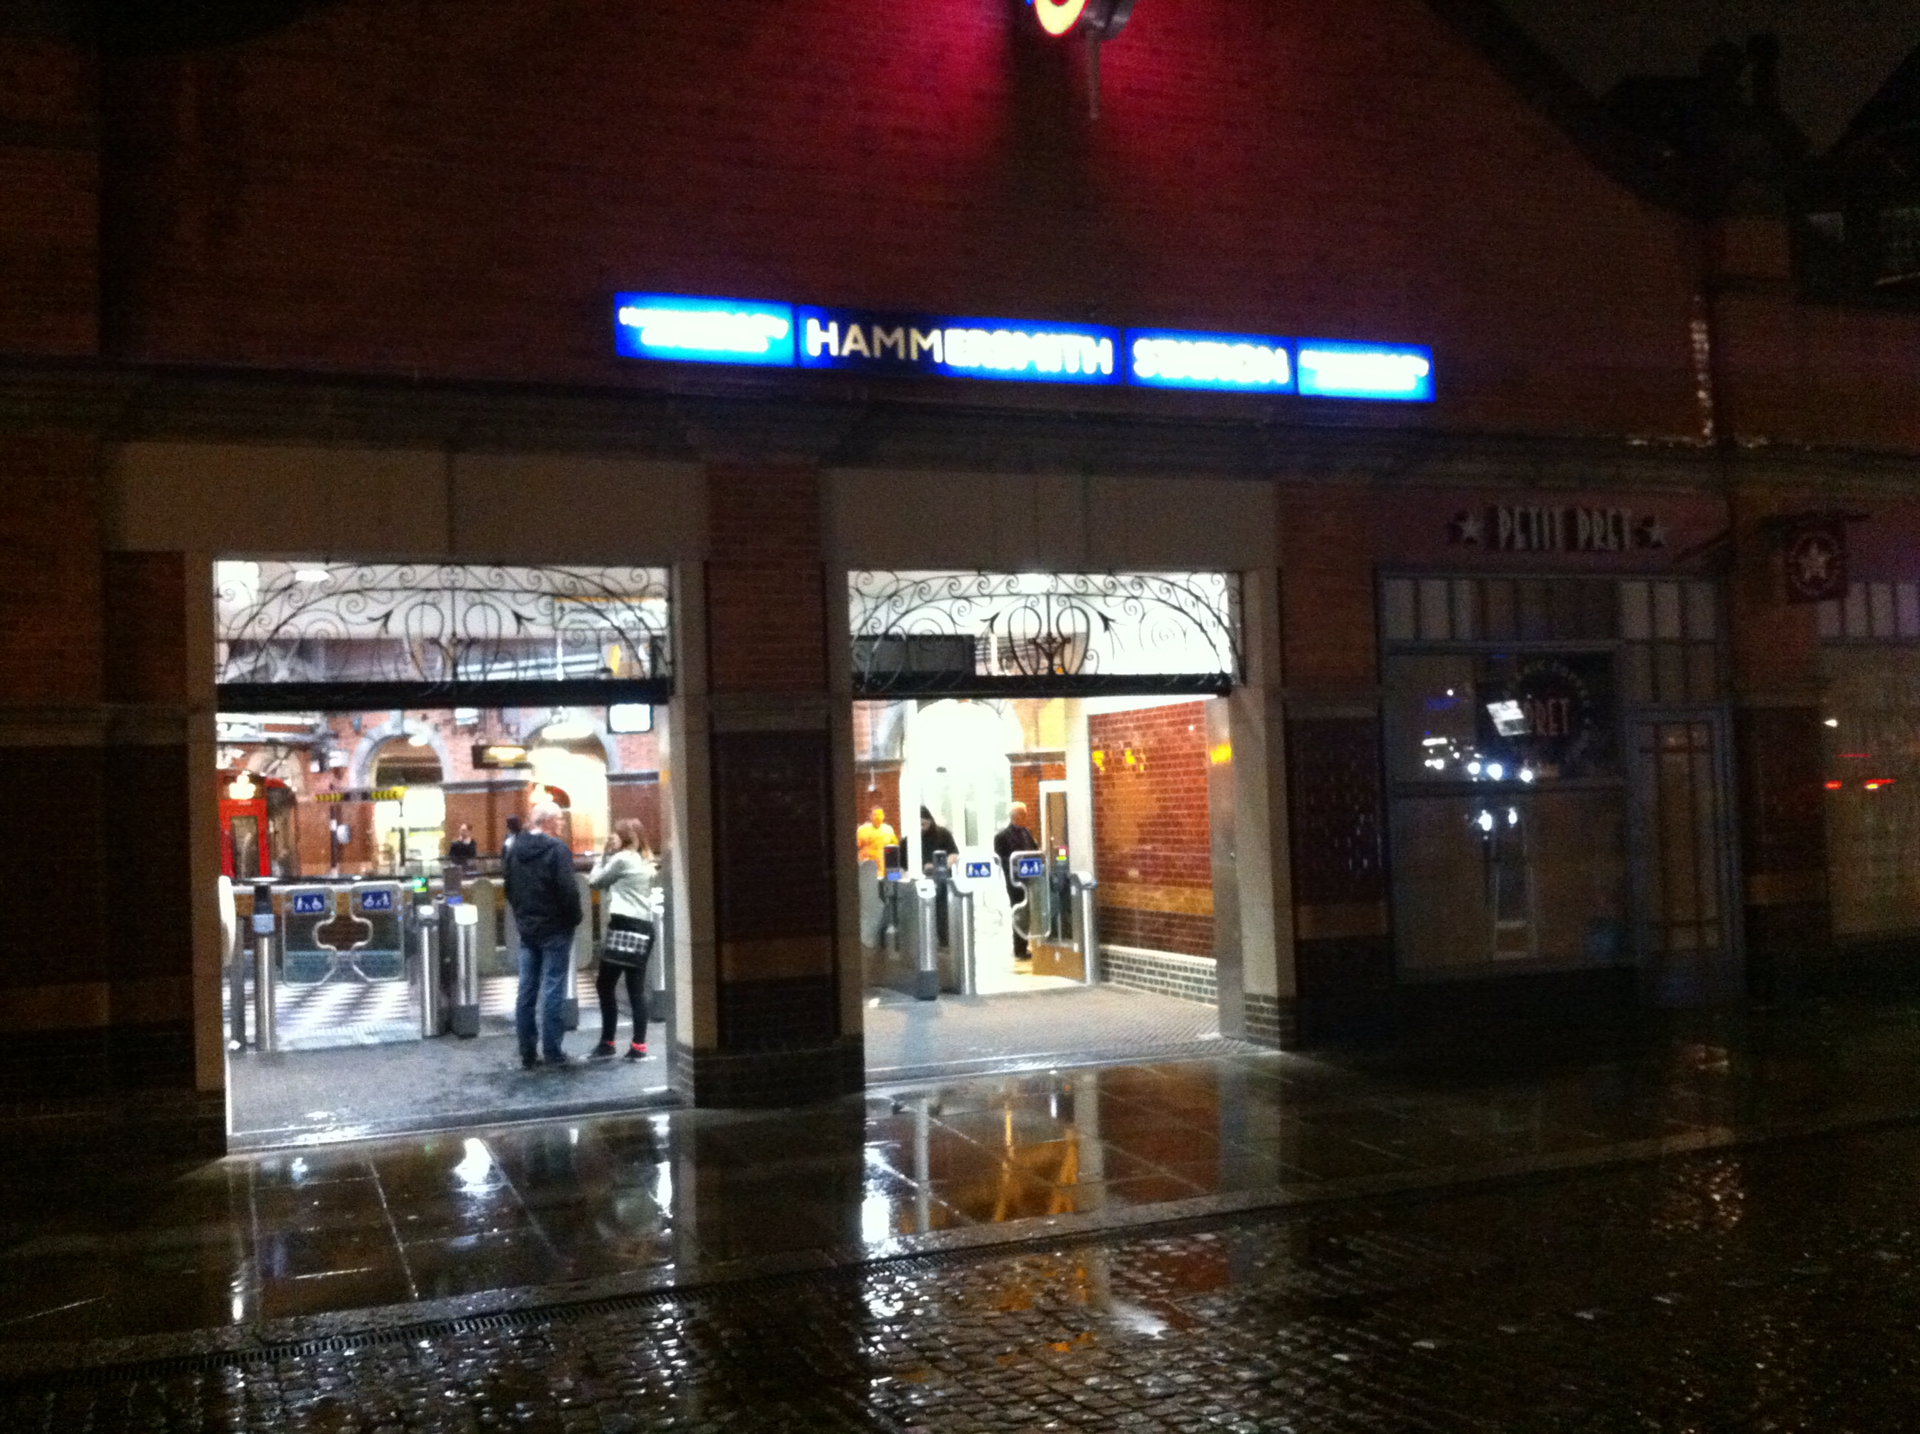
(210, 955)
(851, 970)
(1257, 737)
(687, 793)
(1079, 765)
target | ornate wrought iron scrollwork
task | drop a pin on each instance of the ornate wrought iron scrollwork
(439, 627)
(1007, 632)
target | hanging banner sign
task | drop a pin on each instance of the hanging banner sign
(678, 329)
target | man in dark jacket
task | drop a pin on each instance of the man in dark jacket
(936, 840)
(1014, 836)
(546, 909)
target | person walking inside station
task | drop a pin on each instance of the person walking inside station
(873, 838)
(625, 873)
(546, 909)
(936, 840)
(1014, 836)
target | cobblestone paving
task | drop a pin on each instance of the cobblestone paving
(1769, 1288)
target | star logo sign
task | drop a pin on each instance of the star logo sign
(1469, 528)
(1816, 563)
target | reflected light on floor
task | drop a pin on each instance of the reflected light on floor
(876, 1220)
(473, 1170)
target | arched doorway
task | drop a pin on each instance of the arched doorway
(568, 755)
(408, 828)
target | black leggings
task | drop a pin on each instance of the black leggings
(606, 983)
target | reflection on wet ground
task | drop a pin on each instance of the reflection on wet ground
(1770, 1287)
(684, 1195)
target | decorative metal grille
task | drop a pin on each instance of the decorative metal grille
(977, 632)
(440, 628)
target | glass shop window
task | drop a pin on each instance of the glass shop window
(1872, 788)
(1502, 719)
(1508, 809)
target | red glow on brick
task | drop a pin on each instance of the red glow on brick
(1877, 783)
(1058, 16)
(1835, 786)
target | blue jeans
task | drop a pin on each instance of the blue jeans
(545, 967)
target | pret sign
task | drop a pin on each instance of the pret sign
(1557, 528)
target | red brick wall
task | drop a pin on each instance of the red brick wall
(1152, 846)
(765, 618)
(50, 568)
(49, 199)
(145, 627)
(1326, 590)
(641, 801)
(1027, 777)
(423, 187)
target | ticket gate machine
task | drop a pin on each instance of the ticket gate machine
(371, 934)
(1058, 916)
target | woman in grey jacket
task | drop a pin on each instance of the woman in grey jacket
(624, 874)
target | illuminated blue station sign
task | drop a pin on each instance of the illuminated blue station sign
(738, 331)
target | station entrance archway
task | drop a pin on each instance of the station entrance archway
(1050, 878)
(409, 718)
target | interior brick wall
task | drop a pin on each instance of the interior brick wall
(1027, 777)
(1153, 847)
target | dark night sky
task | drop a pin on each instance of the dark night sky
(1834, 53)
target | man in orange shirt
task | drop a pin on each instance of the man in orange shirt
(874, 837)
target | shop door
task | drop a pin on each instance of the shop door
(1683, 866)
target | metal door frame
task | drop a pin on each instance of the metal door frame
(1640, 836)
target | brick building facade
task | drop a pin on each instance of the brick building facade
(342, 285)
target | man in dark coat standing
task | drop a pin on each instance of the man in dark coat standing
(546, 909)
(936, 840)
(1014, 836)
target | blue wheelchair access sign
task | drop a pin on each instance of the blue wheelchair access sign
(376, 901)
(978, 870)
(309, 903)
(1026, 867)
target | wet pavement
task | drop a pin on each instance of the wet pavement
(965, 1035)
(230, 1253)
(1775, 1286)
(302, 1097)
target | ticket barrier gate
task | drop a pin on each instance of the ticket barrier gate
(361, 935)
(1058, 917)
(914, 929)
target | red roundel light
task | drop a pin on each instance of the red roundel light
(1058, 16)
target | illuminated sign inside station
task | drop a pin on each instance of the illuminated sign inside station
(737, 331)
